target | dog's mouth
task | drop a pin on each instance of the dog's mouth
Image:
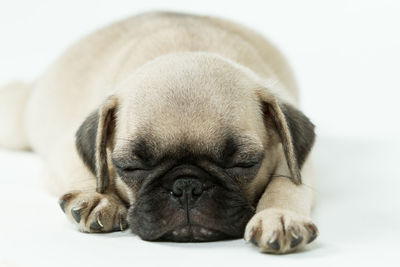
(193, 233)
(189, 205)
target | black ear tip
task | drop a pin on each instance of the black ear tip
(302, 132)
(85, 140)
(296, 133)
(92, 139)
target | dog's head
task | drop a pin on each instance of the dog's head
(192, 140)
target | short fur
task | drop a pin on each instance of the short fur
(164, 99)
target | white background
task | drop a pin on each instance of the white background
(346, 55)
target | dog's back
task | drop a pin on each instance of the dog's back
(88, 70)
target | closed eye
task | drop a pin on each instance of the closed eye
(250, 161)
(128, 168)
(244, 164)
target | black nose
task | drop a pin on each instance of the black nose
(187, 188)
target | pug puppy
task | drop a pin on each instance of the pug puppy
(180, 127)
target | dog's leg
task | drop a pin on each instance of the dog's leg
(282, 221)
(13, 99)
(73, 181)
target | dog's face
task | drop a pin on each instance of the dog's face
(192, 140)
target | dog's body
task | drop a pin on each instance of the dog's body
(175, 76)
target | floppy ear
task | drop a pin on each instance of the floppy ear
(295, 130)
(92, 139)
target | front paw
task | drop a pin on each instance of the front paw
(94, 212)
(280, 231)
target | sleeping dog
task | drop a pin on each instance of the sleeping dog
(180, 127)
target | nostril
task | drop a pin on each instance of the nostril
(197, 191)
(177, 193)
(187, 186)
(177, 190)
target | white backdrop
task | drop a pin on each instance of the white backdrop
(346, 55)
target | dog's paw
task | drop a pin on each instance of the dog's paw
(93, 212)
(280, 231)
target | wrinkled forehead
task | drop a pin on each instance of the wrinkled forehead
(196, 101)
(151, 148)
